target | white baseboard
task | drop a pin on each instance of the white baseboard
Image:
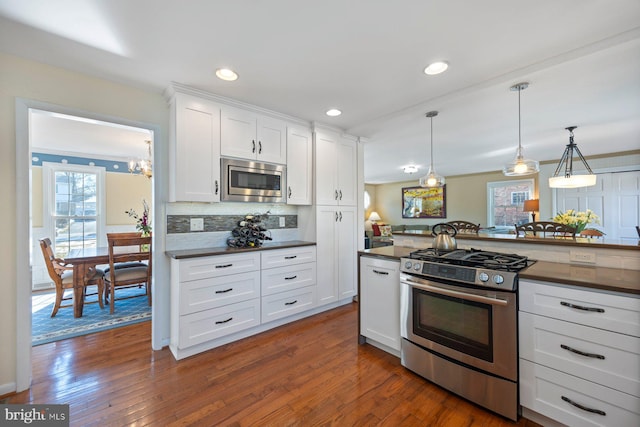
(7, 388)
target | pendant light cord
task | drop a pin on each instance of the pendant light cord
(431, 164)
(519, 125)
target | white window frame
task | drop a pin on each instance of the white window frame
(48, 203)
(491, 186)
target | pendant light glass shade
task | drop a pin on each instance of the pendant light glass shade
(520, 166)
(432, 179)
(568, 179)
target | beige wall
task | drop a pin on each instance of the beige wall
(39, 82)
(467, 194)
(123, 192)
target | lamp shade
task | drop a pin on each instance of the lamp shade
(374, 216)
(532, 205)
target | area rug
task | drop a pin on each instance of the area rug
(47, 329)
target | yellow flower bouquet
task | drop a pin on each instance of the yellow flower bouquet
(577, 220)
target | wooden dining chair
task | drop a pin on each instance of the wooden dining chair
(62, 275)
(129, 265)
(545, 229)
(465, 226)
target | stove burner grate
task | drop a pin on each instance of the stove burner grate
(474, 258)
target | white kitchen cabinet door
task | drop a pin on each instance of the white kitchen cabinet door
(336, 170)
(195, 150)
(247, 135)
(380, 301)
(336, 253)
(299, 166)
(347, 253)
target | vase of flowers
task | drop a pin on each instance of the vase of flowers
(577, 220)
(143, 223)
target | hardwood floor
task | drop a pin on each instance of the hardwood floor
(311, 372)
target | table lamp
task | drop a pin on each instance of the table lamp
(374, 217)
(532, 206)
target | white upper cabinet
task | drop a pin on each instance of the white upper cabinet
(336, 171)
(195, 150)
(251, 136)
(299, 166)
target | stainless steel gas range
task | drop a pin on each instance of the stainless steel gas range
(459, 323)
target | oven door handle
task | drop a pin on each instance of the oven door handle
(457, 294)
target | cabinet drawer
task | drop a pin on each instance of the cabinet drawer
(222, 265)
(281, 279)
(208, 325)
(605, 311)
(287, 303)
(198, 295)
(284, 257)
(611, 359)
(542, 390)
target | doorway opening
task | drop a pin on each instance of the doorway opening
(85, 178)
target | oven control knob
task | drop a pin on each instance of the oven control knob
(408, 265)
(498, 279)
(417, 266)
(483, 277)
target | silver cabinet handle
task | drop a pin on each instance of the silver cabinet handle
(336, 216)
(584, 408)
(291, 257)
(291, 303)
(289, 191)
(290, 277)
(217, 187)
(340, 194)
(224, 291)
(224, 321)
(335, 195)
(581, 353)
(341, 216)
(580, 307)
(385, 273)
(259, 147)
(253, 145)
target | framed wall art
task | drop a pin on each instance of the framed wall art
(422, 202)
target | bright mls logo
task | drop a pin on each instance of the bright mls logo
(35, 415)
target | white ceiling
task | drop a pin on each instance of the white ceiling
(365, 57)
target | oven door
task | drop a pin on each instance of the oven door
(476, 327)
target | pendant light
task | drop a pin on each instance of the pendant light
(569, 179)
(432, 179)
(520, 166)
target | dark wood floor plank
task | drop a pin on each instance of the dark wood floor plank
(311, 372)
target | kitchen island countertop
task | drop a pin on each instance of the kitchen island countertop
(602, 278)
(225, 250)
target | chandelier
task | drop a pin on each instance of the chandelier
(142, 166)
(564, 177)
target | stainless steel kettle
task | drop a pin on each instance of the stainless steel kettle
(444, 237)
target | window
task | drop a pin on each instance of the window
(73, 196)
(505, 200)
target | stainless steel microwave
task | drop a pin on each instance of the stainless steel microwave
(249, 181)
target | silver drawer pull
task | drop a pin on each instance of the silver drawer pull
(386, 273)
(224, 291)
(224, 265)
(291, 303)
(291, 257)
(579, 307)
(584, 408)
(581, 353)
(224, 321)
(290, 277)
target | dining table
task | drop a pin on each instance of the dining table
(84, 261)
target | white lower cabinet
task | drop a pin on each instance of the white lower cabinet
(579, 355)
(380, 301)
(218, 299)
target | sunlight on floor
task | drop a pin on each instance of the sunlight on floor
(40, 301)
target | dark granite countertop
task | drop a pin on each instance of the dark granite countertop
(626, 243)
(225, 250)
(602, 278)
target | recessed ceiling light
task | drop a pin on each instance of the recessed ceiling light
(436, 68)
(410, 169)
(333, 112)
(226, 74)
